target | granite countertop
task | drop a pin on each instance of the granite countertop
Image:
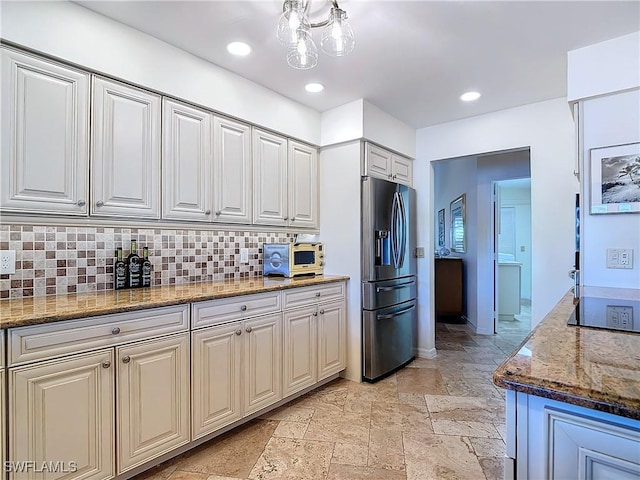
(593, 368)
(19, 312)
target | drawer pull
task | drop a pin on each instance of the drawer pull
(315, 314)
(115, 330)
(208, 212)
(239, 331)
(218, 213)
(317, 294)
(321, 312)
(243, 308)
(249, 329)
(106, 364)
(126, 359)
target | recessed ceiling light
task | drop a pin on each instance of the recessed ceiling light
(314, 87)
(239, 48)
(469, 96)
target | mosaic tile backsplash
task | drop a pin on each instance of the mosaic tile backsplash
(62, 259)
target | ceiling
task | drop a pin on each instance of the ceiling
(412, 59)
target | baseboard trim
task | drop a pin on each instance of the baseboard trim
(484, 331)
(426, 353)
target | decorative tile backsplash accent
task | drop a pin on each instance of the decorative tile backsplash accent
(62, 259)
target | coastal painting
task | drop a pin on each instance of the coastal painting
(615, 179)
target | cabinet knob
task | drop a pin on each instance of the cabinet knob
(208, 212)
(315, 314)
(99, 203)
(115, 330)
(81, 203)
(322, 312)
(317, 294)
(106, 364)
(248, 329)
(243, 308)
(218, 213)
(286, 218)
(238, 332)
(390, 175)
(126, 359)
(293, 219)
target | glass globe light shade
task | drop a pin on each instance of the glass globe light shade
(303, 53)
(292, 18)
(337, 37)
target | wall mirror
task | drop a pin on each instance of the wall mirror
(457, 224)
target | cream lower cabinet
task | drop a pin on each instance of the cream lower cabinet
(332, 333)
(61, 414)
(152, 399)
(299, 352)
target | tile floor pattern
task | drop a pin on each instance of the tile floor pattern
(435, 419)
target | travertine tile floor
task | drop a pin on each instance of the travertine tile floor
(434, 419)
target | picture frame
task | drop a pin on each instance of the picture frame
(441, 228)
(615, 179)
(458, 220)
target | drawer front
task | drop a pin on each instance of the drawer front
(297, 297)
(229, 309)
(39, 342)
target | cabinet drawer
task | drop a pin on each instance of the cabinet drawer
(298, 297)
(38, 342)
(234, 308)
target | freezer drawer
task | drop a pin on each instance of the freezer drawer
(388, 337)
(387, 293)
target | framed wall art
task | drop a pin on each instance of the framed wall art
(615, 179)
(458, 220)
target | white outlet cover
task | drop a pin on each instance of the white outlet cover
(7, 262)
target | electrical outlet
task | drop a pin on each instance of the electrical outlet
(620, 258)
(419, 252)
(244, 255)
(620, 317)
(7, 262)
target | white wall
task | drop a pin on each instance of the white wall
(340, 220)
(548, 129)
(77, 35)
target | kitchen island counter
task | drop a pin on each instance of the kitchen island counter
(24, 311)
(593, 368)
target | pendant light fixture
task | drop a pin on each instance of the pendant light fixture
(294, 32)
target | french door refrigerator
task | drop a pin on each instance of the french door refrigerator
(389, 318)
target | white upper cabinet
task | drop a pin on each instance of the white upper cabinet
(45, 143)
(270, 179)
(126, 151)
(303, 185)
(186, 162)
(381, 163)
(232, 171)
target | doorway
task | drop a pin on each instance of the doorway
(512, 256)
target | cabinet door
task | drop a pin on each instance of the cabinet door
(402, 170)
(377, 162)
(152, 400)
(269, 179)
(63, 411)
(125, 176)
(332, 347)
(302, 175)
(3, 423)
(216, 378)
(45, 142)
(186, 162)
(262, 362)
(299, 349)
(232, 171)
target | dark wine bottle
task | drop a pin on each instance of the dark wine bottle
(146, 268)
(134, 266)
(119, 271)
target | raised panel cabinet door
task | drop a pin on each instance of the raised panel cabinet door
(232, 171)
(377, 162)
(61, 413)
(186, 162)
(269, 179)
(216, 378)
(125, 163)
(332, 333)
(303, 185)
(299, 355)
(262, 352)
(45, 136)
(152, 399)
(402, 170)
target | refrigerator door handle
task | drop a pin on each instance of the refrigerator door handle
(403, 229)
(394, 230)
(395, 287)
(395, 314)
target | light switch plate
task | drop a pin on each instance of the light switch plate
(7, 262)
(244, 255)
(620, 258)
(419, 252)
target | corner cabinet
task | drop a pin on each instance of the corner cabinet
(45, 136)
(285, 181)
(126, 141)
(381, 163)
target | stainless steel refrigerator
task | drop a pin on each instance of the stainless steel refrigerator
(389, 318)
